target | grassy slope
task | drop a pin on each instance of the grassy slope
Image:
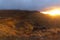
(27, 25)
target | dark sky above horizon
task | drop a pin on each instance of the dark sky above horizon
(28, 4)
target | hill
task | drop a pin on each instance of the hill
(28, 25)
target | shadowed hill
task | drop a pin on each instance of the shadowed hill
(27, 25)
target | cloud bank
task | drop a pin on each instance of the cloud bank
(28, 4)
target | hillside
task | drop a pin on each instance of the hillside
(28, 25)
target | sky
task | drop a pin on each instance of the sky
(28, 4)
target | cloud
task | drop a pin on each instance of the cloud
(27, 4)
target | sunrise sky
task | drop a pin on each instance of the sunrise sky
(28, 4)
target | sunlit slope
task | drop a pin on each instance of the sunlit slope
(28, 25)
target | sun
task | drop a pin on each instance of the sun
(52, 12)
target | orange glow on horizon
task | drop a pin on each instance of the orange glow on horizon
(52, 12)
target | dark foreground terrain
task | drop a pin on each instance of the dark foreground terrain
(28, 25)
